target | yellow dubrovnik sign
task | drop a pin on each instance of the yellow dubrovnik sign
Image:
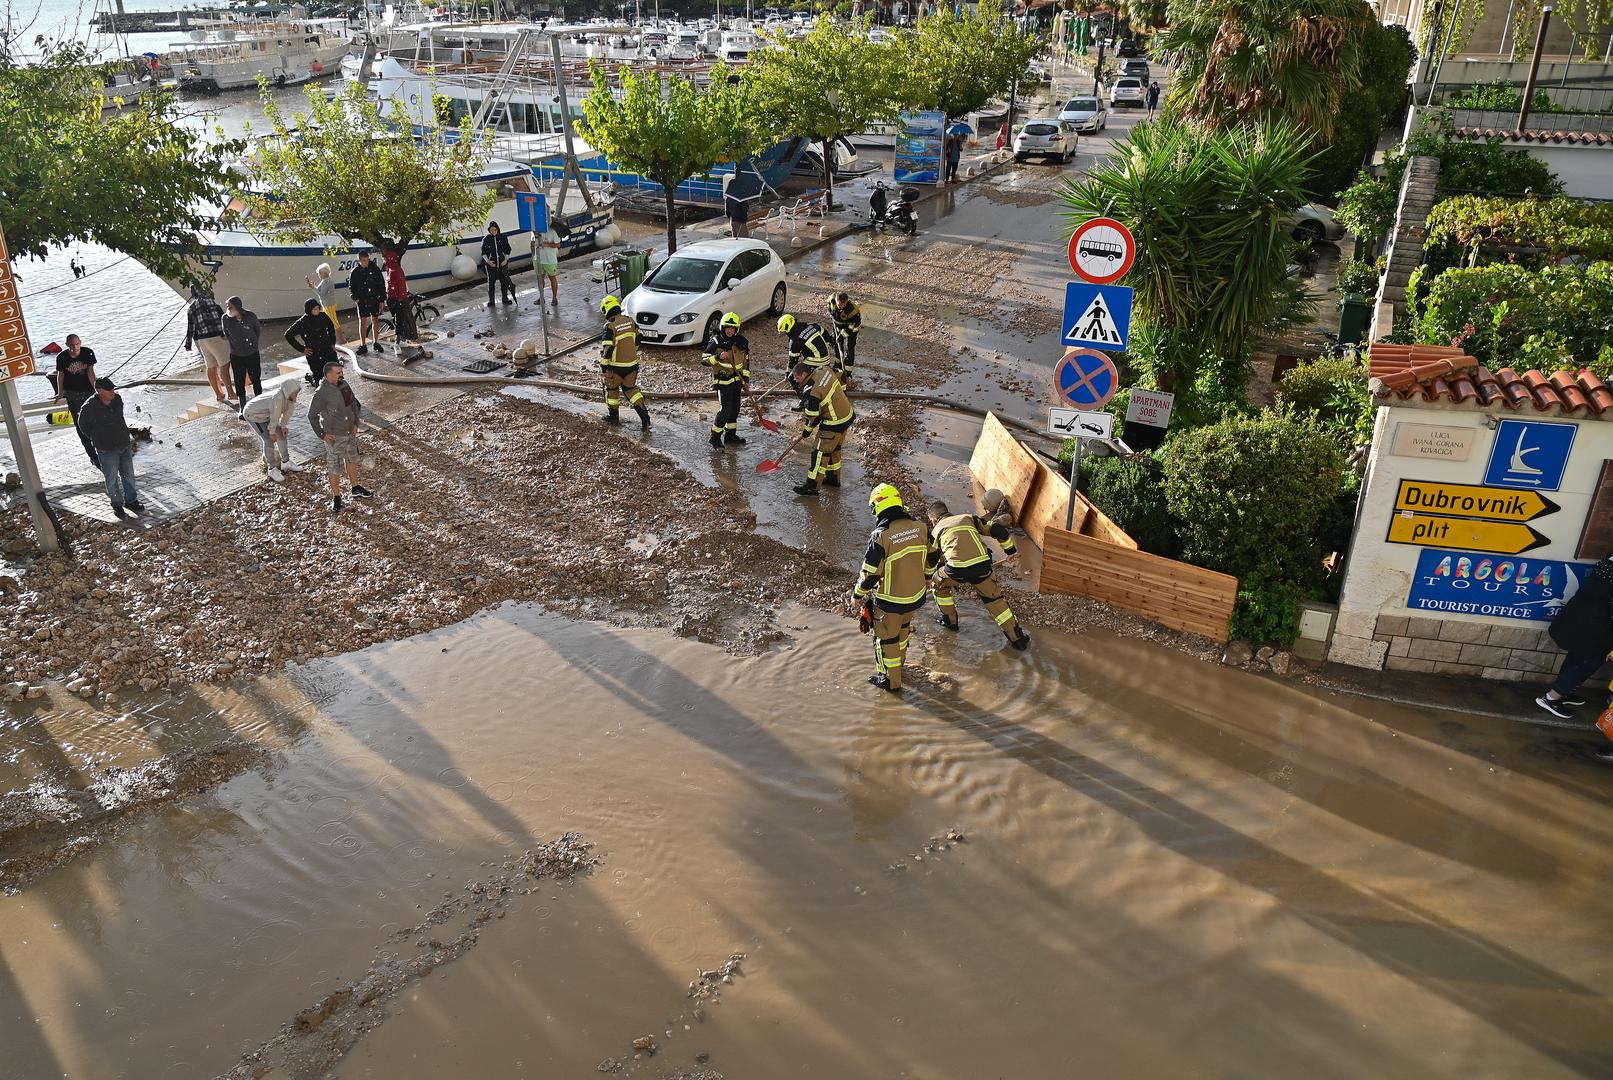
(1471, 500)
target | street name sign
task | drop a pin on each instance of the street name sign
(1471, 500)
(1086, 378)
(1096, 316)
(1470, 534)
(1102, 250)
(1080, 423)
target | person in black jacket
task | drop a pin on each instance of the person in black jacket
(315, 337)
(368, 288)
(496, 257)
(1584, 629)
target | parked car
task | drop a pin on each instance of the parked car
(1047, 137)
(1127, 91)
(1127, 47)
(1136, 67)
(683, 300)
(1313, 222)
(1089, 114)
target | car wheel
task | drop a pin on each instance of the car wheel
(1308, 232)
(712, 322)
(776, 307)
(1019, 158)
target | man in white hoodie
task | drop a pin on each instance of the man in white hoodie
(270, 413)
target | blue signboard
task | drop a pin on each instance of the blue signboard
(532, 212)
(1086, 379)
(1097, 316)
(918, 148)
(1500, 586)
(1530, 454)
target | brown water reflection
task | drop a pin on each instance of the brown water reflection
(1170, 868)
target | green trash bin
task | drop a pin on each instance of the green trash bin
(635, 267)
(1354, 314)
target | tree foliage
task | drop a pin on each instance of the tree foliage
(1470, 166)
(961, 60)
(134, 181)
(671, 129)
(1387, 55)
(1208, 210)
(1243, 61)
(829, 83)
(1550, 229)
(1510, 316)
(342, 169)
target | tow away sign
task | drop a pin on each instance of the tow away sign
(1079, 423)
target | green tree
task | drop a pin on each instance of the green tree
(962, 61)
(134, 181)
(342, 170)
(1209, 211)
(1243, 61)
(1366, 109)
(828, 84)
(670, 129)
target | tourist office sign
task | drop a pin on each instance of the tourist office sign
(1468, 516)
(16, 354)
(1478, 583)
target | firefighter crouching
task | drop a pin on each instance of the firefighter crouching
(807, 344)
(618, 360)
(893, 582)
(959, 557)
(827, 415)
(847, 319)
(728, 355)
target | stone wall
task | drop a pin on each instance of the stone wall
(1511, 653)
(1406, 238)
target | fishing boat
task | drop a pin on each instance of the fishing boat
(269, 271)
(230, 56)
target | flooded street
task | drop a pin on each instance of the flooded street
(1166, 867)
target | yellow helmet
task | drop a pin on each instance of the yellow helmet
(731, 319)
(610, 305)
(883, 497)
(786, 323)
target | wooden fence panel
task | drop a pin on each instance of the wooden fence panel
(1000, 462)
(1049, 503)
(1172, 593)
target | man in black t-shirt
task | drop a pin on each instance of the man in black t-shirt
(75, 384)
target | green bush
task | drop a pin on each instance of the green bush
(1367, 207)
(1365, 109)
(1333, 392)
(1267, 611)
(1247, 492)
(1511, 316)
(1557, 228)
(1358, 278)
(1132, 494)
(1470, 166)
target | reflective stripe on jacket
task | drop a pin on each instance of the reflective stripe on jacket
(621, 342)
(827, 401)
(893, 568)
(737, 367)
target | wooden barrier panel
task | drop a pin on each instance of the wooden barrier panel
(1000, 462)
(1172, 593)
(1049, 503)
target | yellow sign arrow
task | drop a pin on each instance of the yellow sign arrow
(1471, 500)
(1434, 530)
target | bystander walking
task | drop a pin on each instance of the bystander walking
(1153, 98)
(75, 384)
(333, 414)
(496, 261)
(546, 258)
(102, 418)
(368, 289)
(242, 329)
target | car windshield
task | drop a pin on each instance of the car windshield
(1082, 104)
(683, 274)
(1041, 129)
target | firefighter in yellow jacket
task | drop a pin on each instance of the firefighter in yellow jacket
(826, 416)
(618, 360)
(847, 319)
(728, 355)
(893, 582)
(959, 557)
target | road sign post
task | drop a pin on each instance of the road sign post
(1079, 425)
(17, 360)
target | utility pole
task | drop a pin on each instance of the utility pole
(1534, 66)
(16, 360)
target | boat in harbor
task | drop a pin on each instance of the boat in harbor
(269, 271)
(235, 55)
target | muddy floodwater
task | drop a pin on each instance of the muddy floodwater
(1100, 858)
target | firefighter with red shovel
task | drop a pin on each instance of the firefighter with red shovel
(728, 356)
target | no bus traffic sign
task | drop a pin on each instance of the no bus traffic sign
(1102, 250)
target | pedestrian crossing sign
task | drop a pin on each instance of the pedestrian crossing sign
(1096, 316)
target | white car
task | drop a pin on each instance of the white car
(1127, 91)
(1089, 114)
(684, 298)
(1313, 222)
(1048, 137)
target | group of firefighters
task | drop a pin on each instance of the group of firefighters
(907, 558)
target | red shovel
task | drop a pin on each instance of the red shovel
(756, 403)
(773, 465)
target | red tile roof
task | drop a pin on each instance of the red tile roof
(1434, 373)
(1589, 138)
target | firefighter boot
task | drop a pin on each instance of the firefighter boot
(808, 486)
(716, 441)
(732, 438)
(643, 417)
(613, 417)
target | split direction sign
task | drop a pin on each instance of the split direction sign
(1468, 516)
(1096, 316)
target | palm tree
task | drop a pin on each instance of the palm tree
(1243, 61)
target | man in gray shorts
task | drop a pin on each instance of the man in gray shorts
(333, 414)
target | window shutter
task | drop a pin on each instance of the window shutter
(1596, 541)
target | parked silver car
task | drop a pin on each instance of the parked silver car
(1089, 114)
(1127, 91)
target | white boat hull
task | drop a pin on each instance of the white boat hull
(281, 69)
